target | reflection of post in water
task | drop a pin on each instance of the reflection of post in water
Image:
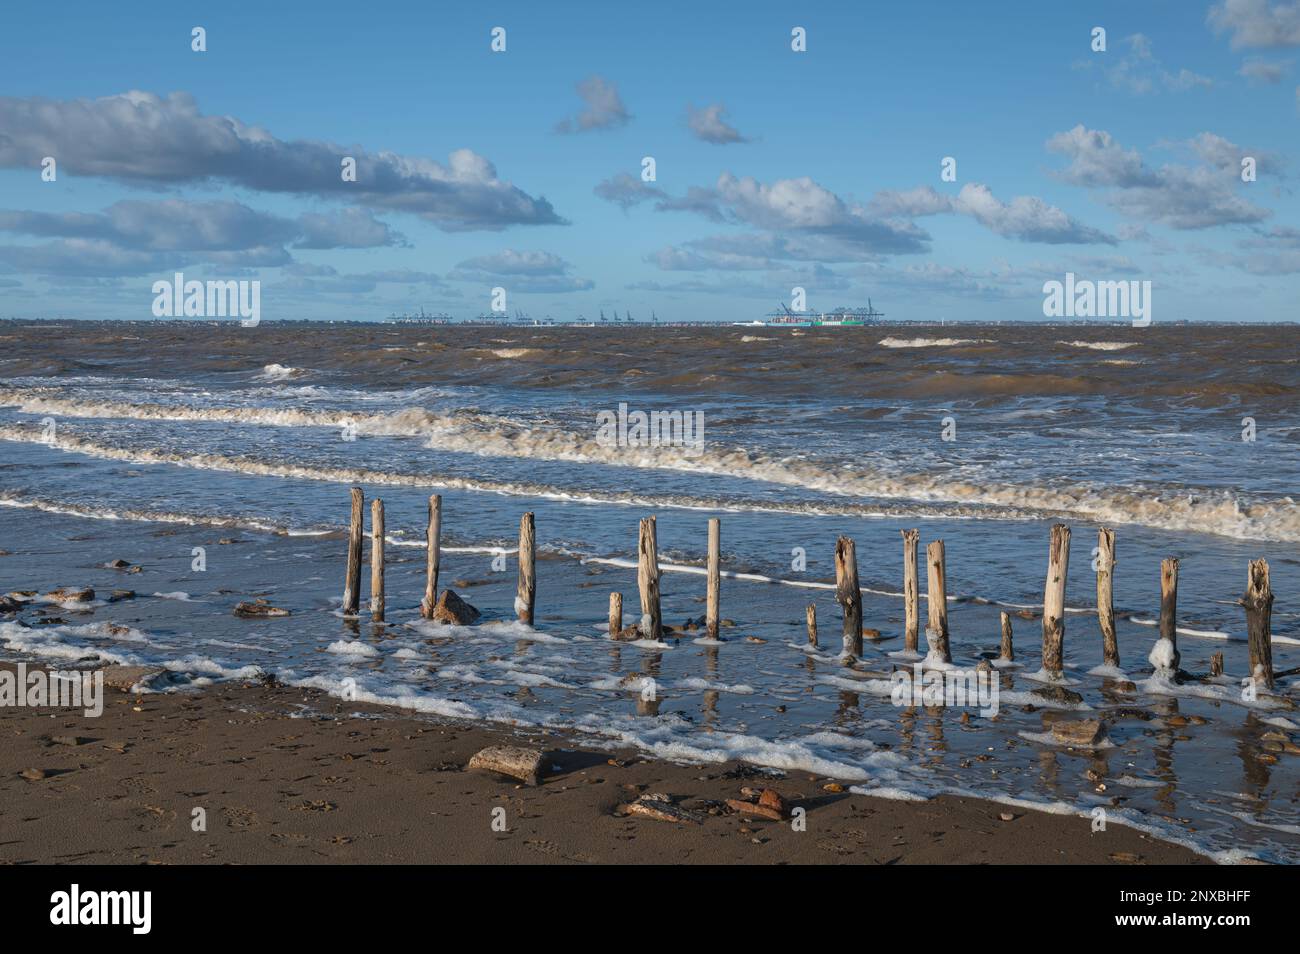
(907, 728)
(710, 707)
(711, 661)
(1255, 772)
(1049, 767)
(847, 711)
(1162, 753)
(934, 730)
(522, 646)
(352, 625)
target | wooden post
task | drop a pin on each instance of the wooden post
(812, 625)
(433, 535)
(615, 615)
(849, 594)
(352, 582)
(1008, 651)
(1105, 595)
(714, 601)
(936, 630)
(1058, 565)
(526, 592)
(1216, 664)
(647, 578)
(1258, 602)
(1169, 606)
(911, 596)
(377, 560)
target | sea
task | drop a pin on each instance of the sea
(216, 461)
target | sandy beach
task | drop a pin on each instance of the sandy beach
(287, 775)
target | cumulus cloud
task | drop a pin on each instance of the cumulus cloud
(1025, 218)
(1182, 197)
(1264, 71)
(1138, 70)
(627, 190)
(604, 108)
(1257, 23)
(528, 271)
(137, 236)
(148, 140)
(709, 125)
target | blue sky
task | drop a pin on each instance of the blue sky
(1116, 165)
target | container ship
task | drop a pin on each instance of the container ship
(784, 317)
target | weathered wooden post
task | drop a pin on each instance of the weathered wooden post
(615, 615)
(911, 596)
(1216, 664)
(936, 630)
(848, 594)
(1007, 650)
(812, 624)
(1058, 565)
(1169, 608)
(713, 604)
(433, 534)
(377, 560)
(647, 578)
(1105, 595)
(1258, 603)
(352, 583)
(526, 592)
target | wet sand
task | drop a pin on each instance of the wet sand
(293, 776)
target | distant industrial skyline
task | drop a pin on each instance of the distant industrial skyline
(943, 159)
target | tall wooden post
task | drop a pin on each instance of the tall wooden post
(433, 534)
(714, 601)
(647, 578)
(352, 582)
(849, 594)
(526, 592)
(1105, 595)
(936, 630)
(911, 596)
(1258, 602)
(377, 560)
(811, 613)
(615, 615)
(1169, 606)
(1008, 651)
(1058, 565)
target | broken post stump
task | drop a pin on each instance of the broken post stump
(352, 582)
(1008, 651)
(911, 595)
(1058, 564)
(526, 592)
(936, 630)
(647, 578)
(1105, 595)
(432, 534)
(713, 602)
(377, 560)
(615, 615)
(849, 594)
(1258, 603)
(811, 613)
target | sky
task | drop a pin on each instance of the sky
(523, 169)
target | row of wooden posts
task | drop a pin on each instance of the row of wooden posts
(1258, 599)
